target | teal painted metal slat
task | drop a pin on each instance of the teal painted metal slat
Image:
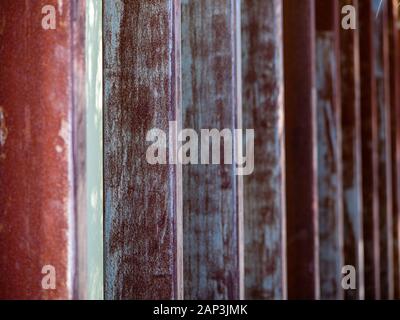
(142, 246)
(213, 257)
(329, 145)
(263, 110)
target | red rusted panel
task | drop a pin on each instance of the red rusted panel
(394, 98)
(329, 149)
(264, 192)
(352, 179)
(369, 152)
(212, 193)
(381, 76)
(38, 174)
(142, 201)
(301, 153)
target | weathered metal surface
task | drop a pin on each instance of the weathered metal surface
(263, 110)
(395, 105)
(352, 175)
(381, 75)
(40, 111)
(212, 193)
(94, 151)
(370, 197)
(397, 225)
(330, 214)
(301, 153)
(142, 246)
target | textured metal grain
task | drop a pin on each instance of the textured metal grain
(264, 191)
(211, 99)
(142, 201)
(381, 75)
(301, 153)
(41, 112)
(329, 149)
(352, 175)
(370, 197)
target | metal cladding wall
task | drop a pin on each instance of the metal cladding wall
(109, 114)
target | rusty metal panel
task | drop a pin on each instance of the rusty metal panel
(395, 100)
(40, 172)
(352, 175)
(263, 110)
(142, 246)
(301, 153)
(370, 197)
(381, 75)
(213, 241)
(329, 140)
